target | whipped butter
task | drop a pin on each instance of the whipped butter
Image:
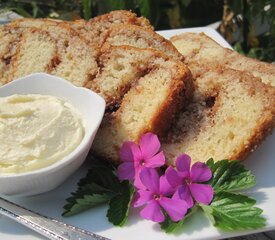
(36, 131)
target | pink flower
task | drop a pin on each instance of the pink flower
(156, 197)
(188, 182)
(135, 157)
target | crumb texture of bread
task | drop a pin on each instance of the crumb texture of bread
(200, 48)
(34, 53)
(230, 114)
(156, 93)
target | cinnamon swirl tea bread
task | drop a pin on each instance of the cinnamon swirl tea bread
(143, 82)
(147, 84)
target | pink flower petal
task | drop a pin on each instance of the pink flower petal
(200, 172)
(137, 182)
(183, 164)
(129, 152)
(153, 212)
(175, 208)
(141, 197)
(172, 177)
(184, 193)
(149, 145)
(126, 170)
(202, 193)
(156, 161)
(150, 179)
(165, 188)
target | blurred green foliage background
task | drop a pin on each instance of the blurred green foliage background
(249, 25)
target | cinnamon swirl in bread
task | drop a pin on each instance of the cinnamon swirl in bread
(144, 89)
(230, 114)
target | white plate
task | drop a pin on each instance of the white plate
(261, 162)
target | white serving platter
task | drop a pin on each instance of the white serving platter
(261, 163)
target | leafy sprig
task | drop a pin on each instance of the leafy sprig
(101, 185)
(229, 210)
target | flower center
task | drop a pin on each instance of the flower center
(157, 196)
(142, 162)
(188, 181)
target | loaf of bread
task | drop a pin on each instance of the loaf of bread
(149, 89)
(199, 48)
(143, 87)
(230, 114)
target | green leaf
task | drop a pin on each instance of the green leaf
(99, 186)
(229, 211)
(170, 227)
(120, 205)
(101, 175)
(87, 9)
(230, 176)
(81, 203)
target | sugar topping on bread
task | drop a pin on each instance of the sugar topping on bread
(200, 48)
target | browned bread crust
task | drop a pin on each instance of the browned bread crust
(94, 30)
(199, 48)
(137, 36)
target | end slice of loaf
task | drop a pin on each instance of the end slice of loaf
(229, 116)
(202, 49)
(151, 88)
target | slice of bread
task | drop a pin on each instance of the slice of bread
(137, 36)
(200, 48)
(151, 88)
(73, 59)
(230, 114)
(95, 29)
(35, 52)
